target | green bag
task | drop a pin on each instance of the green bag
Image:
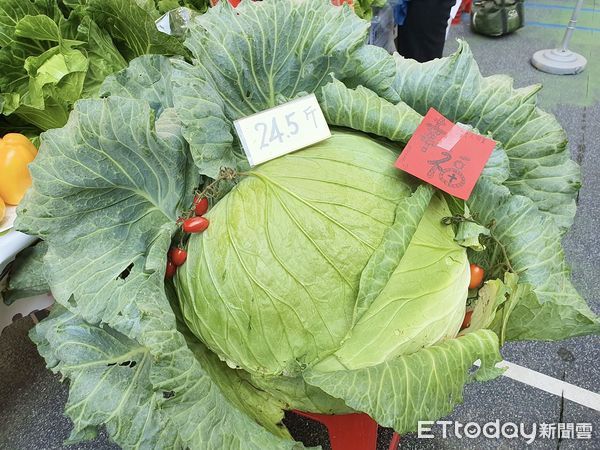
(496, 17)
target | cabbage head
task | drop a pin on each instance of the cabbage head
(273, 285)
(327, 281)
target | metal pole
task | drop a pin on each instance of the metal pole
(564, 46)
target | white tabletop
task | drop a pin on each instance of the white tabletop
(11, 242)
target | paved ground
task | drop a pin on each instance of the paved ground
(32, 399)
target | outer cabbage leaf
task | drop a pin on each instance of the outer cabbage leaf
(391, 250)
(260, 55)
(124, 179)
(257, 56)
(503, 313)
(362, 109)
(110, 382)
(553, 309)
(411, 311)
(148, 77)
(490, 297)
(249, 289)
(374, 69)
(26, 275)
(426, 384)
(534, 141)
(205, 125)
(111, 385)
(106, 192)
(299, 395)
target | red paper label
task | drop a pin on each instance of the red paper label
(446, 155)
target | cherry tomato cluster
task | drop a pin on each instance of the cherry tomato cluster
(477, 274)
(194, 224)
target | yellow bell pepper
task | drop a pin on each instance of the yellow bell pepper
(16, 152)
(2, 209)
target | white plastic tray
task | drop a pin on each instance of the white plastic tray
(12, 243)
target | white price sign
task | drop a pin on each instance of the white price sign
(283, 129)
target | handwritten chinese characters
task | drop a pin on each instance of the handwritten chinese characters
(446, 155)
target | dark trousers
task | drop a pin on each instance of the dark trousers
(423, 33)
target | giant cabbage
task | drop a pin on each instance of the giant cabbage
(273, 284)
(327, 281)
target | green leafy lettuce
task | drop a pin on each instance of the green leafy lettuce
(167, 5)
(364, 8)
(328, 281)
(54, 53)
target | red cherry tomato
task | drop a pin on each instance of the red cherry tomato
(467, 321)
(171, 269)
(200, 206)
(477, 274)
(178, 256)
(195, 225)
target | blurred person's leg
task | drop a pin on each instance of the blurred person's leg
(423, 34)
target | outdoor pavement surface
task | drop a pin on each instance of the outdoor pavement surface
(32, 399)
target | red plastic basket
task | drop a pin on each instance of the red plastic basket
(350, 431)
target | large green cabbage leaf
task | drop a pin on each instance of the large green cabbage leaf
(109, 186)
(26, 276)
(534, 141)
(528, 235)
(411, 311)
(553, 309)
(428, 383)
(258, 56)
(114, 185)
